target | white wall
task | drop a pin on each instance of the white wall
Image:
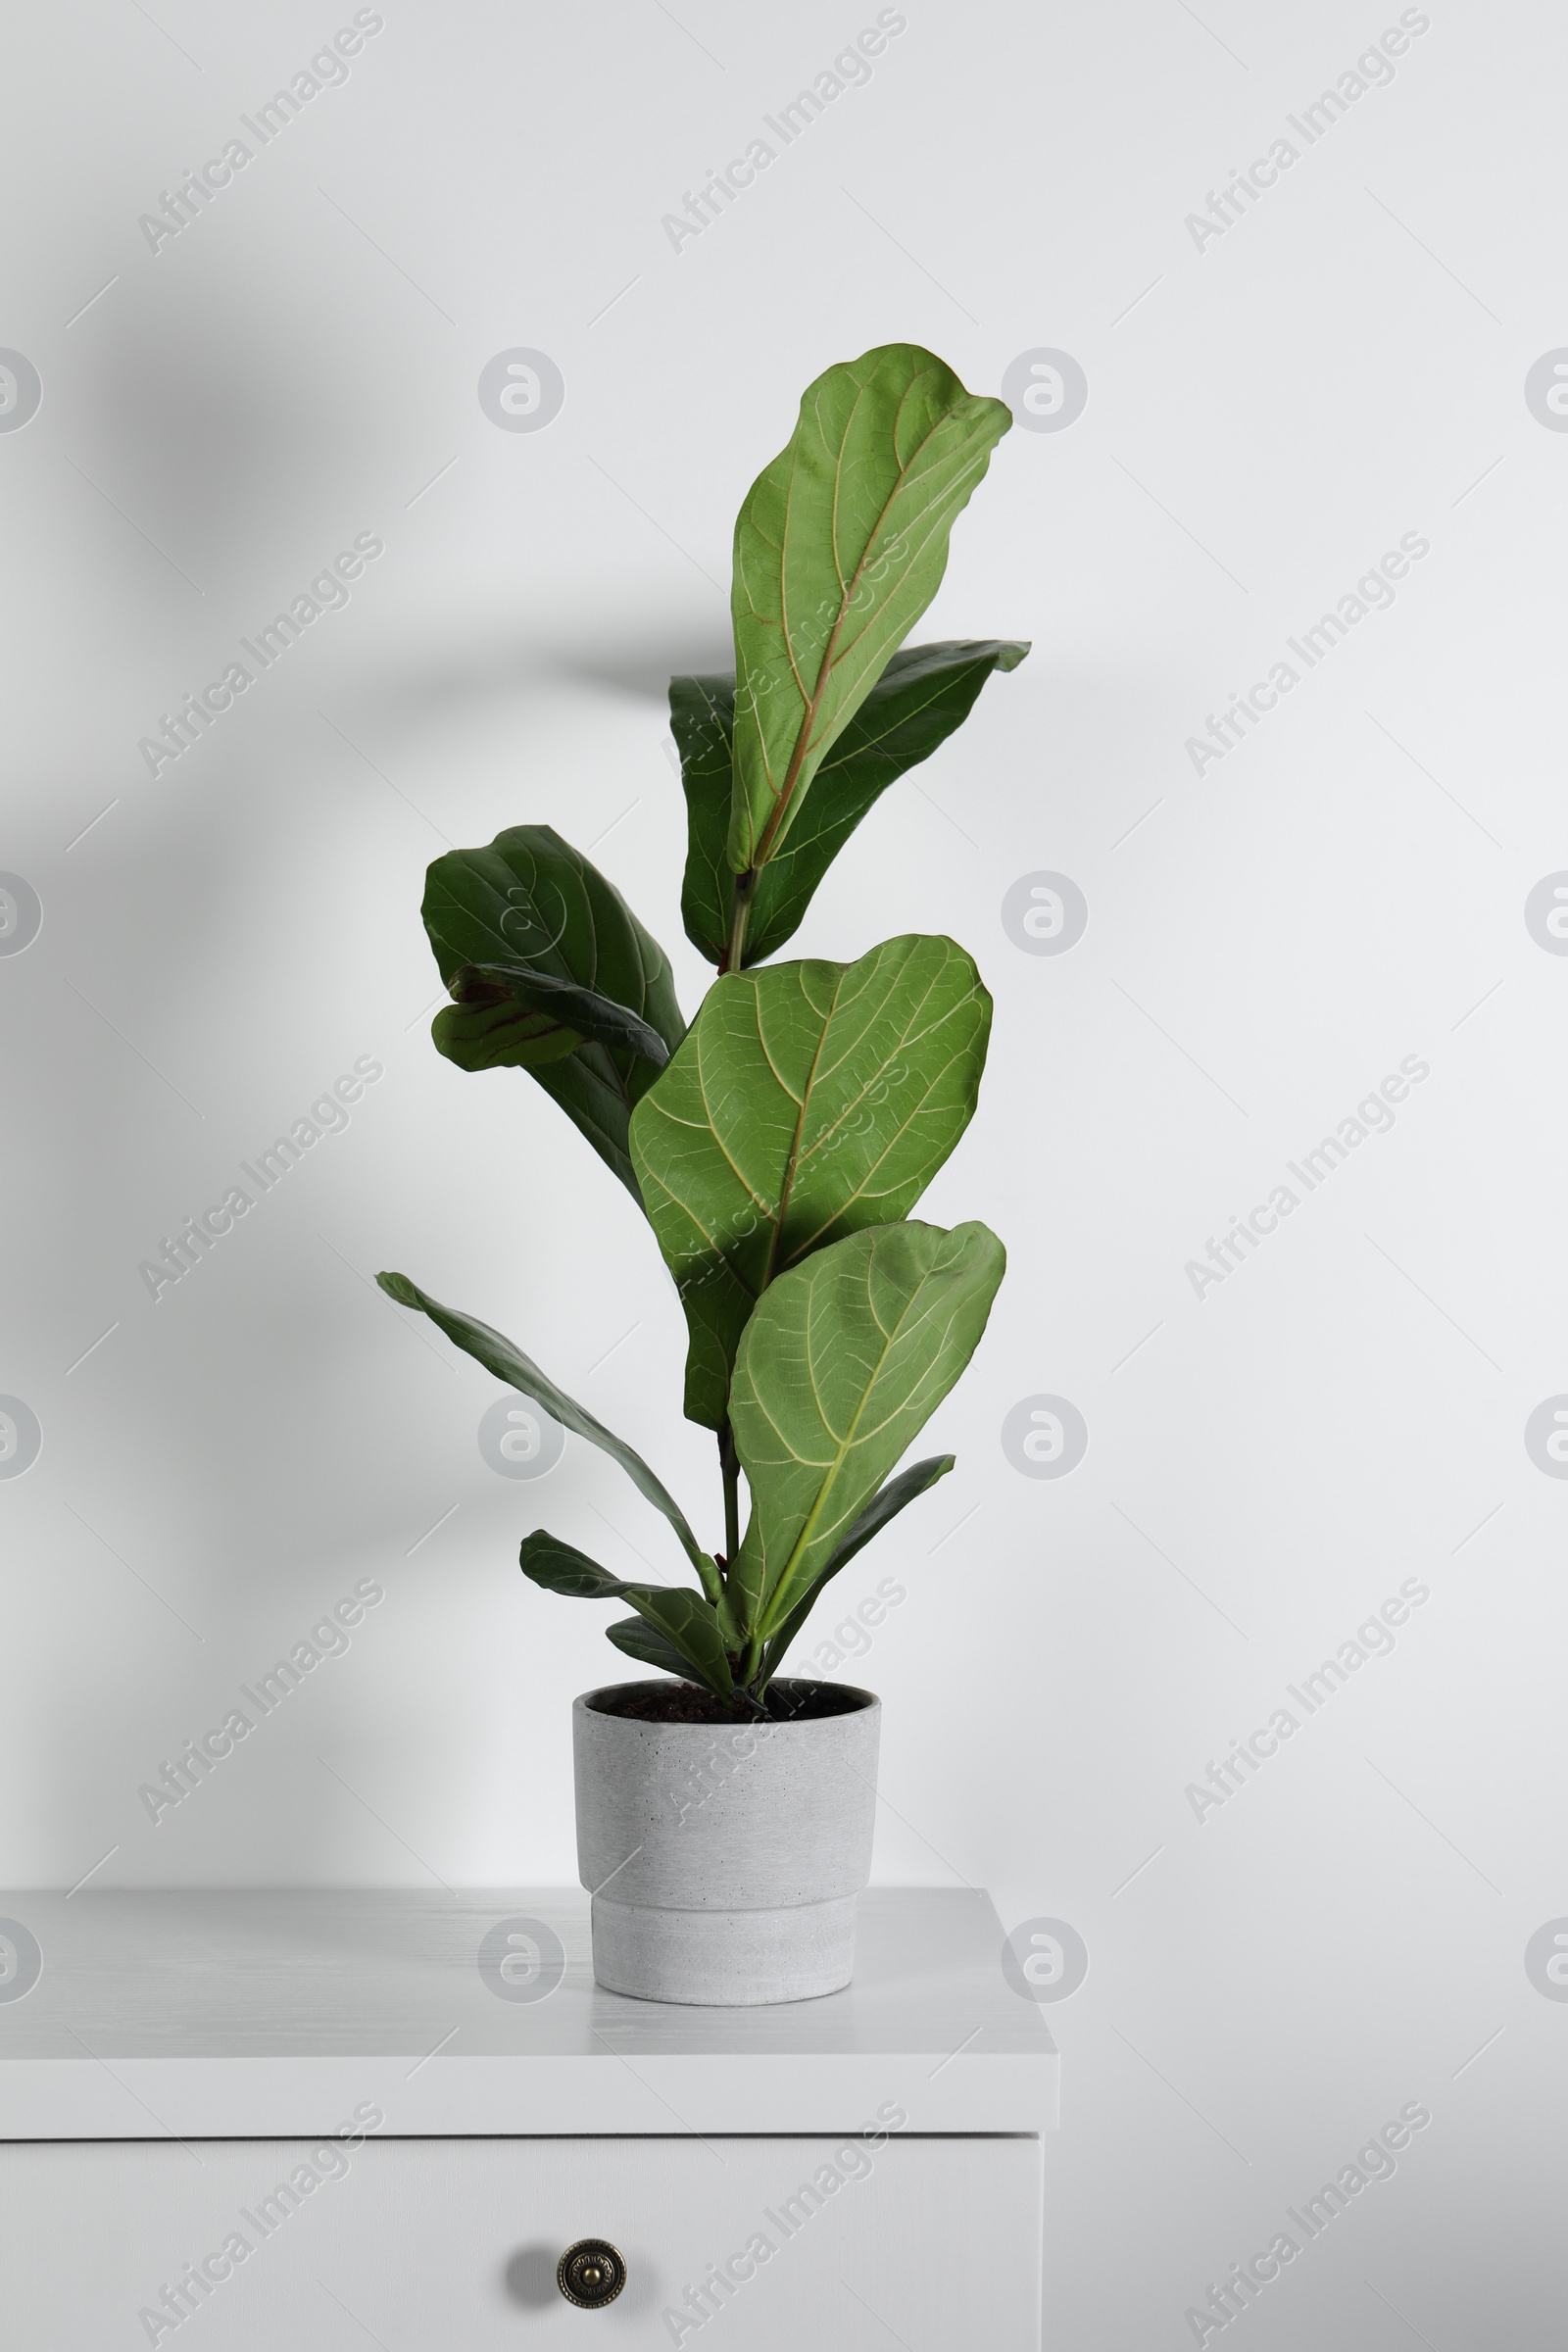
(1267, 415)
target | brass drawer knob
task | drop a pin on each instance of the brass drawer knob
(591, 2274)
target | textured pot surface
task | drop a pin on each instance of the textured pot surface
(724, 1860)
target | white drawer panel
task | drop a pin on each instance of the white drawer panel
(453, 2243)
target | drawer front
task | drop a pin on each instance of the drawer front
(758, 2243)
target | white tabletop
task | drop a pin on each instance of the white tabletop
(258, 2013)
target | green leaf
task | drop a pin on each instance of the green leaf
(497, 1035)
(885, 1505)
(808, 1100)
(644, 1642)
(840, 547)
(508, 1362)
(843, 1362)
(530, 993)
(562, 1568)
(924, 692)
(531, 899)
(686, 1621)
(702, 720)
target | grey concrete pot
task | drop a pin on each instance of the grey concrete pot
(725, 1861)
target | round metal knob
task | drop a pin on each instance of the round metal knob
(591, 2274)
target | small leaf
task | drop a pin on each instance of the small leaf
(839, 546)
(530, 900)
(884, 1505)
(562, 1568)
(843, 1362)
(684, 1620)
(808, 1100)
(508, 1362)
(690, 1624)
(925, 692)
(642, 1642)
(498, 1035)
(589, 1014)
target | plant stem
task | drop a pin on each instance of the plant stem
(745, 884)
(729, 1464)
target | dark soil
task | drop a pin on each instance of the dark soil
(786, 1702)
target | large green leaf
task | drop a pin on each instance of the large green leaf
(532, 901)
(840, 547)
(924, 692)
(683, 1620)
(499, 1356)
(885, 1505)
(843, 1362)
(808, 1100)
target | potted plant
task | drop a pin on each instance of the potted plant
(777, 1147)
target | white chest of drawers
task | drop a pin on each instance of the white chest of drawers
(258, 2121)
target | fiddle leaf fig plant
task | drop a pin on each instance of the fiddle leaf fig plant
(778, 1146)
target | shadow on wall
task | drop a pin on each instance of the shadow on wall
(614, 651)
(196, 418)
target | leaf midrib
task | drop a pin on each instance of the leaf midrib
(792, 1162)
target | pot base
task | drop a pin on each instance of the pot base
(723, 1959)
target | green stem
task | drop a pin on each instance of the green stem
(745, 884)
(711, 1577)
(730, 1466)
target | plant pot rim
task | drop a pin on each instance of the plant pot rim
(855, 1702)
